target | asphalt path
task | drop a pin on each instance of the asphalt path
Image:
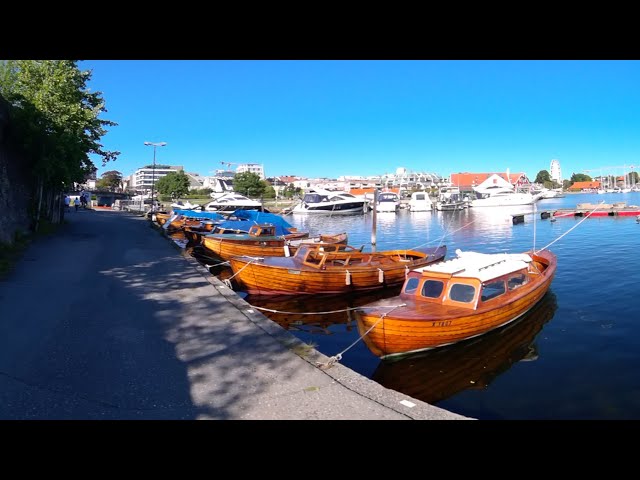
(106, 319)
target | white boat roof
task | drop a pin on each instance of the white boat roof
(483, 266)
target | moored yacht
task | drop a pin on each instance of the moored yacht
(388, 202)
(499, 196)
(230, 202)
(321, 201)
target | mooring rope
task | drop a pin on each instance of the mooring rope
(316, 313)
(445, 234)
(572, 228)
(227, 281)
(336, 358)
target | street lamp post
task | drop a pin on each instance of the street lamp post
(153, 178)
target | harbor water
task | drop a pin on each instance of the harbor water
(576, 355)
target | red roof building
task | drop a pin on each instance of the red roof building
(466, 180)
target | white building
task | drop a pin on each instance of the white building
(143, 178)
(253, 168)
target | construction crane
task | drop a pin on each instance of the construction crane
(228, 164)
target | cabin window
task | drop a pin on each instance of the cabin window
(411, 285)
(492, 289)
(516, 281)
(432, 288)
(460, 292)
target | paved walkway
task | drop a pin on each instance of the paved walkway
(107, 320)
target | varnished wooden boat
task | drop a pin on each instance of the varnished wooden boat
(261, 241)
(438, 374)
(455, 300)
(198, 221)
(329, 269)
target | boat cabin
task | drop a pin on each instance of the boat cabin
(471, 279)
(334, 255)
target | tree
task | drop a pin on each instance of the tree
(269, 192)
(543, 176)
(291, 190)
(580, 177)
(249, 184)
(175, 184)
(56, 118)
(111, 181)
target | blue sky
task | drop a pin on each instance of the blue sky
(322, 118)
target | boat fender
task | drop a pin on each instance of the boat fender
(406, 271)
(287, 253)
(347, 279)
(380, 276)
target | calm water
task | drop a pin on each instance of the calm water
(576, 356)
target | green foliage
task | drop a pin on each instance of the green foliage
(580, 177)
(249, 184)
(55, 118)
(269, 192)
(175, 184)
(199, 192)
(291, 191)
(110, 181)
(543, 176)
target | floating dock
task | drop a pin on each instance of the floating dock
(619, 209)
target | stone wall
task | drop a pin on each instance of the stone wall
(16, 185)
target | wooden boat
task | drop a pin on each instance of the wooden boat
(180, 219)
(329, 269)
(440, 373)
(455, 300)
(261, 240)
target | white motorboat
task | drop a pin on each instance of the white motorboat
(500, 196)
(320, 201)
(230, 202)
(388, 202)
(450, 198)
(420, 202)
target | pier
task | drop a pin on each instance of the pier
(108, 319)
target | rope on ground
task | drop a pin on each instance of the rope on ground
(575, 226)
(338, 357)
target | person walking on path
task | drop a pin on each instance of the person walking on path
(76, 203)
(67, 202)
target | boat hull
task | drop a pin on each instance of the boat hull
(420, 326)
(229, 245)
(286, 276)
(332, 209)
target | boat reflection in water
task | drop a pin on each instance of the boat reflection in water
(438, 374)
(316, 313)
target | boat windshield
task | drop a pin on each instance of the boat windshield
(411, 285)
(461, 292)
(314, 198)
(432, 288)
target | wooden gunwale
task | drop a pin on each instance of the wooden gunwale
(295, 275)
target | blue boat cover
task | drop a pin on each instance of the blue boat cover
(246, 218)
(199, 214)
